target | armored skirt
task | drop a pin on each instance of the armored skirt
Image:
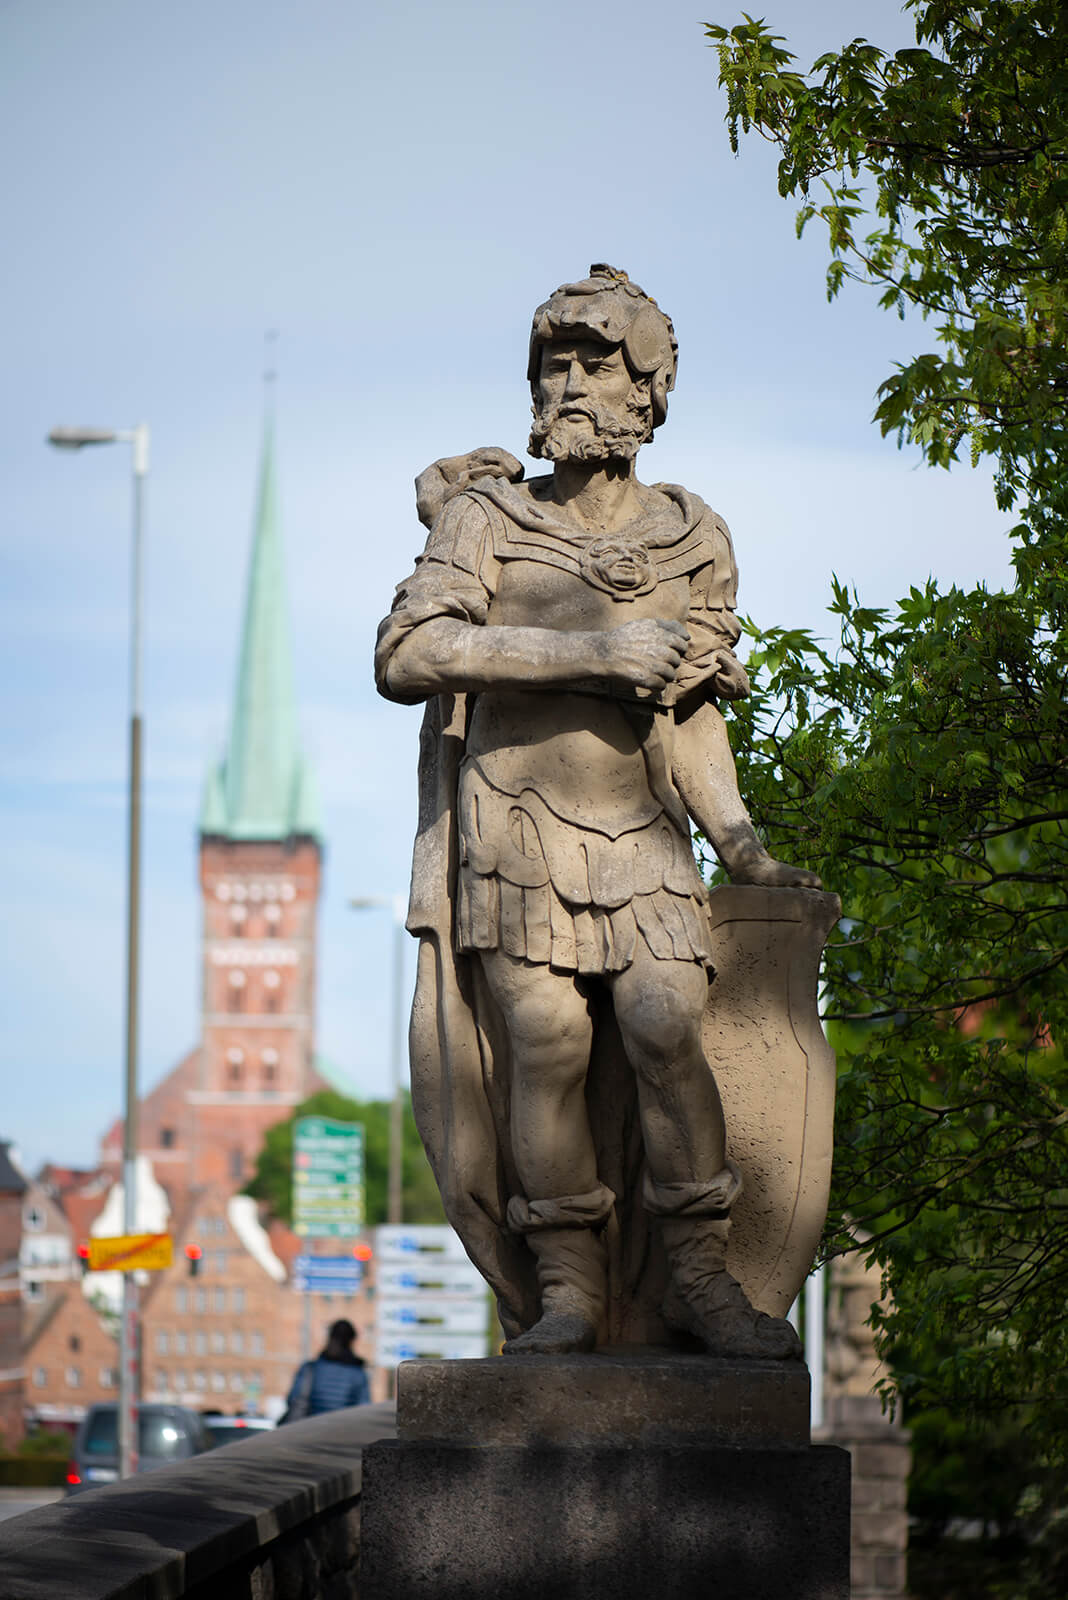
(559, 894)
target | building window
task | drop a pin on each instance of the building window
(238, 914)
(255, 892)
(237, 1299)
(33, 1219)
(74, 1378)
(181, 1299)
(200, 1301)
(219, 1295)
(269, 1062)
(200, 1344)
(273, 915)
(256, 1344)
(40, 1378)
(218, 1382)
(237, 1342)
(161, 1343)
(272, 984)
(34, 1291)
(237, 1382)
(222, 891)
(237, 1164)
(237, 982)
(181, 1382)
(161, 1381)
(74, 1342)
(287, 891)
(108, 1377)
(218, 1344)
(200, 1380)
(181, 1344)
(167, 1138)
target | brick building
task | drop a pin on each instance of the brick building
(12, 1371)
(72, 1357)
(231, 1336)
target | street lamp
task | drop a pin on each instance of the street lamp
(395, 903)
(138, 438)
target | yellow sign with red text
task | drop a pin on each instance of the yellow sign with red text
(131, 1252)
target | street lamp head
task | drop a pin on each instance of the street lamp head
(76, 438)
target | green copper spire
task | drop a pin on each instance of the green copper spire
(262, 789)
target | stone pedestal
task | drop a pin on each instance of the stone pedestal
(615, 1476)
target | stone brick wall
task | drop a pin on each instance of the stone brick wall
(881, 1462)
(276, 1517)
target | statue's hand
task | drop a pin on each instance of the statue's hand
(760, 868)
(731, 681)
(642, 654)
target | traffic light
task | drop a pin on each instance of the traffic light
(83, 1257)
(193, 1255)
(362, 1251)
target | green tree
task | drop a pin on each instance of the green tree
(922, 764)
(273, 1179)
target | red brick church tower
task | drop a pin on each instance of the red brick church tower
(260, 870)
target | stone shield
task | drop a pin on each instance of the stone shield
(776, 1075)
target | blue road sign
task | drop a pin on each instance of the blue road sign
(327, 1274)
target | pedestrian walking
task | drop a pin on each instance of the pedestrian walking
(336, 1377)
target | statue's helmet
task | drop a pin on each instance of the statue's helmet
(607, 306)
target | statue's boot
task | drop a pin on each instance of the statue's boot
(706, 1301)
(571, 1282)
(703, 1298)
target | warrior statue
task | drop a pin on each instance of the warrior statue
(571, 636)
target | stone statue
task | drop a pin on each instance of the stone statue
(571, 636)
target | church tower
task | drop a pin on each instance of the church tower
(260, 869)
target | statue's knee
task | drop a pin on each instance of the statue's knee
(658, 1037)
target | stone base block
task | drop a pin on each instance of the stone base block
(511, 1522)
(613, 1397)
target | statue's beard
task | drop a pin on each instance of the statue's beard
(581, 430)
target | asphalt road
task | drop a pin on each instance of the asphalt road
(13, 1502)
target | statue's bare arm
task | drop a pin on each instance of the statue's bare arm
(446, 655)
(705, 776)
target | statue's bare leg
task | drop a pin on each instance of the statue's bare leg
(658, 1006)
(550, 1034)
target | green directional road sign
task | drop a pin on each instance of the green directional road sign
(327, 1178)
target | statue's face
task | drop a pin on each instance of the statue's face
(587, 405)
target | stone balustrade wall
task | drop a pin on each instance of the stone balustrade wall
(275, 1517)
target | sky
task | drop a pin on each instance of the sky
(393, 189)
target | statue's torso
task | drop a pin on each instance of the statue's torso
(581, 752)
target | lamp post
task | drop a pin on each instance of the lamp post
(138, 438)
(396, 1111)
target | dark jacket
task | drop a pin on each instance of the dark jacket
(334, 1384)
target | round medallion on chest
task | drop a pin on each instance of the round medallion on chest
(620, 567)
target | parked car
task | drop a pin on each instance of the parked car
(165, 1434)
(227, 1430)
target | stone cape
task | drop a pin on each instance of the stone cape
(459, 1051)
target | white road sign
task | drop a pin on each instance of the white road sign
(429, 1277)
(422, 1242)
(392, 1349)
(427, 1318)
